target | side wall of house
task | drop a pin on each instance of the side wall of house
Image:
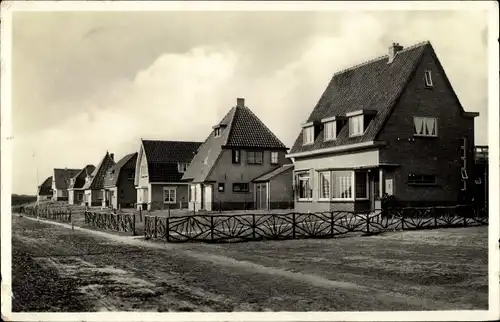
(228, 173)
(157, 196)
(438, 156)
(281, 191)
(126, 192)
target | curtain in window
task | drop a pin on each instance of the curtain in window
(324, 179)
(342, 184)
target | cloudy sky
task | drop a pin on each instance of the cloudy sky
(87, 82)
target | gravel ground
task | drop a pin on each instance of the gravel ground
(58, 269)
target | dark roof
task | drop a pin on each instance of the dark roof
(113, 173)
(273, 173)
(163, 158)
(79, 179)
(45, 189)
(240, 128)
(62, 177)
(97, 177)
(374, 85)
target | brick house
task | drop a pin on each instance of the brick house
(158, 173)
(45, 190)
(60, 183)
(93, 187)
(75, 189)
(240, 148)
(391, 125)
(119, 188)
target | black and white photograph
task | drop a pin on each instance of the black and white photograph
(244, 160)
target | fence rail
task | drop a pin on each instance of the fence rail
(110, 221)
(233, 228)
(51, 214)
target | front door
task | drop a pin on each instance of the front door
(207, 194)
(374, 189)
(261, 196)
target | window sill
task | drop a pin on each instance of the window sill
(425, 136)
(304, 200)
(330, 140)
(306, 144)
(170, 203)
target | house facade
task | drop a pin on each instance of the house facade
(60, 183)
(391, 126)
(158, 172)
(45, 190)
(481, 179)
(239, 149)
(94, 185)
(119, 188)
(76, 193)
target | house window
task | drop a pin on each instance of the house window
(421, 179)
(131, 176)
(428, 78)
(240, 187)
(330, 130)
(425, 126)
(464, 185)
(304, 187)
(79, 196)
(342, 184)
(236, 156)
(254, 157)
(324, 185)
(182, 167)
(221, 186)
(463, 173)
(217, 132)
(274, 157)
(169, 195)
(308, 134)
(144, 170)
(361, 185)
(356, 125)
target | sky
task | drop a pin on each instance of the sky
(89, 82)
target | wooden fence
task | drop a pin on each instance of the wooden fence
(110, 221)
(233, 228)
(46, 213)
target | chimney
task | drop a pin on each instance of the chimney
(393, 50)
(240, 102)
(112, 156)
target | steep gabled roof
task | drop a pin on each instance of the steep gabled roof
(374, 85)
(62, 177)
(97, 177)
(113, 173)
(240, 128)
(163, 157)
(79, 179)
(45, 189)
(273, 173)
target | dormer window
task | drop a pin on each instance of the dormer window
(359, 121)
(330, 130)
(218, 129)
(182, 167)
(217, 132)
(308, 134)
(428, 78)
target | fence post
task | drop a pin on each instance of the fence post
(293, 225)
(212, 227)
(194, 207)
(168, 210)
(435, 220)
(253, 226)
(220, 206)
(465, 218)
(167, 229)
(368, 223)
(403, 220)
(332, 225)
(156, 226)
(70, 216)
(140, 214)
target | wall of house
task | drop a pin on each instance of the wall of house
(143, 178)
(43, 197)
(127, 194)
(281, 191)
(339, 161)
(197, 204)
(71, 197)
(424, 155)
(228, 173)
(157, 198)
(94, 196)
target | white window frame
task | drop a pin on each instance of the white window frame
(308, 135)
(274, 157)
(464, 185)
(359, 130)
(351, 177)
(304, 177)
(182, 167)
(478, 181)
(169, 189)
(321, 186)
(217, 132)
(192, 193)
(424, 120)
(463, 173)
(330, 130)
(428, 78)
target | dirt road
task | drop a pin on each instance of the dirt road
(57, 269)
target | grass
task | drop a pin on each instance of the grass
(418, 270)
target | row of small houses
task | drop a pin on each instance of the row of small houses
(392, 126)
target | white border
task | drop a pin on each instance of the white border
(493, 142)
